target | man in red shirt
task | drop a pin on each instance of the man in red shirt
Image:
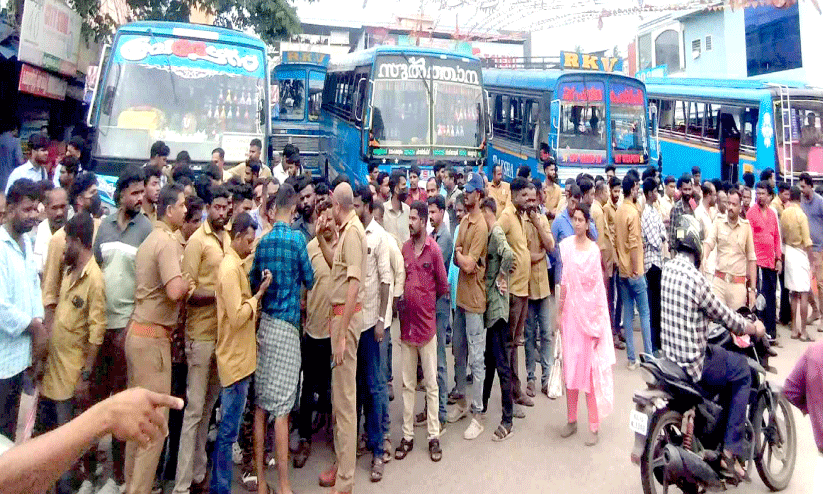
(766, 234)
(416, 193)
(426, 280)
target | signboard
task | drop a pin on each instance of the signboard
(405, 68)
(41, 83)
(587, 61)
(50, 36)
(305, 57)
(621, 94)
(581, 92)
(659, 71)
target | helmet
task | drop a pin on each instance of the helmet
(687, 236)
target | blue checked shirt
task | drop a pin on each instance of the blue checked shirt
(20, 302)
(283, 252)
(654, 235)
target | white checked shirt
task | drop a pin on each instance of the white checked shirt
(378, 271)
(687, 305)
(654, 234)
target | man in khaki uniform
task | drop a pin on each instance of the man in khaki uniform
(736, 271)
(203, 254)
(512, 220)
(159, 290)
(797, 252)
(499, 190)
(348, 267)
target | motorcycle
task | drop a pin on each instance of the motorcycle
(679, 428)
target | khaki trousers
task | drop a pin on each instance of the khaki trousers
(202, 391)
(818, 278)
(344, 402)
(149, 362)
(731, 294)
(428, 361)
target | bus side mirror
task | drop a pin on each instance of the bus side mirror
(108, 100)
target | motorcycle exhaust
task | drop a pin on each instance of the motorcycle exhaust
(685, 467)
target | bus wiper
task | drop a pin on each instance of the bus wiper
(168, 66)
(425, 82)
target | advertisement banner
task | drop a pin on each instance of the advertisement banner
(41, 83)
(50, 36)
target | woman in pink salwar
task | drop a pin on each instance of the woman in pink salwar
(583, 319)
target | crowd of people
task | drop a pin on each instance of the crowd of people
(273, 294)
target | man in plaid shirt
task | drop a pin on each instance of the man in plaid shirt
(654, 236)
(687, 306)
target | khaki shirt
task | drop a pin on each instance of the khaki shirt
(151, 215)
(605, 239)
(609, 213)
(201, 258)
(778, 205)
(79, 321)
(53, 266)
(318, 307)
(795, 227)
(628, 242)
(513, 226)
(349, 261)
(551, 198)
(236, 349)
(158, 261)
(539, 272)
(502, 195)
(239, 171)
(735, 246)
(473, 238)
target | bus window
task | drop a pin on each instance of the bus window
(748, 131)
(806, 135)
(457, 114)
(581, 115)
(710, 125)
(680, 113)
(628, 119)
(404, 111)
(696, 112)
(533, 108)
(315, 94)
(292, 99)
(665, 115)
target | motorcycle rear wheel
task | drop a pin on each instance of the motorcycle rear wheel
(665, 429)
(766, 422)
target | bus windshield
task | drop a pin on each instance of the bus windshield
(291, 95)
(628, 120)
(581, 116)
(194, 95)
(427, 101)
(806, 135)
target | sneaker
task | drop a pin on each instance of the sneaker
(632, 365)
(530, 388)
(591, 439)
(86, 487)
(236, 454)
(110, 487)
(568, 430)
(459, 412)
(475, 429)
(518, 412)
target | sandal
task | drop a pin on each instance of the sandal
(435, 453)
(733, 472)
(406, 445)
(795, 336)
(502, 433)
(806, 339)
(377, 467)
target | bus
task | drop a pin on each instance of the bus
(296, 109)
(194, 87)
(732, 126)
(401, 105)
(589, 119)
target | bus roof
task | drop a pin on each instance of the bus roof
(727, 89)
(184, 29)
(541, 79)
(365, 57)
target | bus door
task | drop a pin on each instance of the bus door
(654, 141)
(729, 143)
(554, 128)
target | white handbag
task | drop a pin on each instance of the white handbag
(556, 376)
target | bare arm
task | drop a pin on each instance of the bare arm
(177, 288)
(134, 415)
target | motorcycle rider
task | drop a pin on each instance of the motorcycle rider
(688, 305)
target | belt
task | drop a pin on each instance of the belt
(149, 330)
(338, 309)
(729, 278)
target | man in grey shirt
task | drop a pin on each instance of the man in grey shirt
(812, 205)
(115, 248)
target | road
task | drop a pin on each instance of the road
(535, 459)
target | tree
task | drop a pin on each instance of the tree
(270, 19)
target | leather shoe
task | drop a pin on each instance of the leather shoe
(525, 401)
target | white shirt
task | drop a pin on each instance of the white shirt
(378, 272)
(27, 170)
(41, 244)
(279, 173)
(707, 223)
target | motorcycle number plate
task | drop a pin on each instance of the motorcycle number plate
(639, 422)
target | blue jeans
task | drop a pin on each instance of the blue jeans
(634, 292)
(442, 315)
(469, 346)
(615, 303)
(539, 338)
(372, 393)
(232, 405)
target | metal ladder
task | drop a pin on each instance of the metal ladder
(786, 129)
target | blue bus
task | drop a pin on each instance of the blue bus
(399, 106)
(589, 119)
(194, 87)
(732, 126)
(296, 96)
